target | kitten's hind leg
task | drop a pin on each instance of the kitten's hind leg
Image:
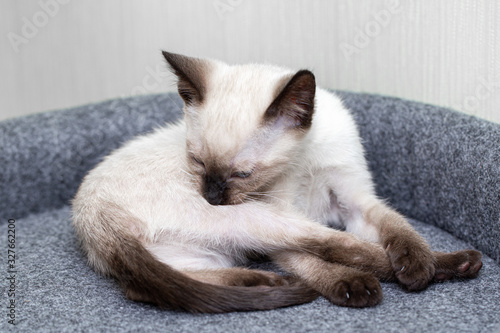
(461, 264)
(410, 255)
(238, 276)
(341, 285)
(212, 268)
(353, 202)
(414, 264)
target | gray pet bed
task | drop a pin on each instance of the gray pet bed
(440, 168)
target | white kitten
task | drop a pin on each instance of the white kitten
(261, 163)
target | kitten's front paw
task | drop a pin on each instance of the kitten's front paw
(356, 291)
(412, 262)
(461, 264)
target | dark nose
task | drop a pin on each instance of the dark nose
(214, 189)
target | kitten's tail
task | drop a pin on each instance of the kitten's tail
(146, 279)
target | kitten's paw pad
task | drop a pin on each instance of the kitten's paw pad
(471, 263)
(462, 264)
(413, 264)
(358, 291)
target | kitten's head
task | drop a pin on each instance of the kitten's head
(244, 124)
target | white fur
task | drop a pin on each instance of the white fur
(151, 183)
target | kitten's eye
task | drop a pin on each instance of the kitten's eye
(241, 174)
(197, 160)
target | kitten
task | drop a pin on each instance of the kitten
(261, 163)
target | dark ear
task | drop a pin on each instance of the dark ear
(294, 106)
(191, 73)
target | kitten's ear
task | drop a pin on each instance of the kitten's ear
(191, 74)
(294, 106)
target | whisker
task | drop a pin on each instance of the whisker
(187, 173)
(277, 191)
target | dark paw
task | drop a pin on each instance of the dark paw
(412, 262)
(357, 291)
(461, 264)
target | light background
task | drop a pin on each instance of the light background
(61, 53)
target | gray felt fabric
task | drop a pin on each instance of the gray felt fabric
(438, 167)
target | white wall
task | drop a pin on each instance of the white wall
(60, 53)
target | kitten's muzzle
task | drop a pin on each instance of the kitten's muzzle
(214, 190)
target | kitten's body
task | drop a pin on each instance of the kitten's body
(262, 162)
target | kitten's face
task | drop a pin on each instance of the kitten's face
(244, 124)
(246, 170)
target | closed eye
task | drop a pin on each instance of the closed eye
(241, 174)
(197, 160)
